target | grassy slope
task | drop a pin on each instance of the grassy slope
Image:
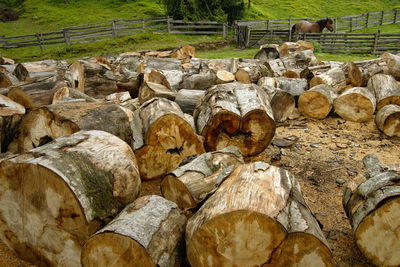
(48, 15)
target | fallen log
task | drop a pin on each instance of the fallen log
(356, 104)
(147, 232)
(191, 183)
(386, 89)
(187, 99)
(235, 114)
(54, 197)
(372, 207)
(317, 102)
(162, 137)
(388, 120)
(257, 216)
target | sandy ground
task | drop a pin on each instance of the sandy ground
(324, 156)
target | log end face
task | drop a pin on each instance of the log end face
(354, 107)
(176, 191)
(314, 105)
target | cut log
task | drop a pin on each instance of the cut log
(235, 114)
(386, 89)
(187, 99)
(393, 64)
(67, 94)
(312, 71)
(9, 130)
(169, 78)
(77, 76)
(249, 71)
(354, 75)
(147, 232)
(162, 138)
(371, 67)
(54, 197)
(299, 60)
(132, 83)
(267, 52)
(42, 125)
(295, 87)
(8, 107)
(373, 210)
(256, 216)
(118, 98)
(289, 47)
(388, 120)
(317, 102)
(334, 77)
(200, 81)
(191, 183)
(149, 90)
(356, 104)
(184, 53)
(291, 74)
(282, 104)
(275, 67)
(159, 64)
(4, 80)
(21, 73)
(99, 87)
(226, 64)
(224, 76)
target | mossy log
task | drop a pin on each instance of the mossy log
(235, 114)
(388, 120)
(373, 210)
(148, 232)
(386, 89)
(317, 102)
(54, 197)
(163, 137)
(191, 183)
(257, 216)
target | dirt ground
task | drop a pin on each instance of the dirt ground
(324, 155)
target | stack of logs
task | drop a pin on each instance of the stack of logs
(78, 140)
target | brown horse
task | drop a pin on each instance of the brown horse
(304, 26)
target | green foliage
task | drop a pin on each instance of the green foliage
(317, 47)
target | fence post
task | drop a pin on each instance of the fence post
(290, 28)
(366, 20)
(67, 38)
(335, 24)
(248, 36)
(143, 28)
(351, 24)
(224, 29)
(2, 41)
(376, 42)
(114, 29)
(169, 24)
(382, 13)
(39, 42)
(395, 16)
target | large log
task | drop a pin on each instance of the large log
(257, 216)
(388, 120)
(317, 102)
(162, 137)
(356, 104)
(334, 77)
(147, 232)
(373, 209)
(54, 197)
(235, 114)
(187, 99)
(42, 125)
(191, 183)
(386, 90)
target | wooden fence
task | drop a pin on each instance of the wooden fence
(111, 29)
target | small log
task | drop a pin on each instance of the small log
(393, 64)
(317, 102)
(372, 207)
(354, 75)
(224, 76)
(54, 197)
(249, 71)
(21, 73)
(312, 71)
(267, 52)
(282, 104)
(386, 89)
(67, 94)
(147, 232)
(388, 120)
(118, 98)
(199, 81)
(149, 90)
(42, 125)
(257, 216)
(334, 77)
(162, 137)
(187, 99)
(235, 114)
(184, 53)
(295, 87)
(159, 64)
(169, 78)
(8, 107)
(191, 183)
(289, 47)
(300, 60)
(356, 104)
(371, 67)
(226, 64)
(275, 67)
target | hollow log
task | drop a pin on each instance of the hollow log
(187, 99)
(162, 137)
(267, 52)
(393, 64)
(257, 216)
(42, 125)
(235, 114)
(388, 120)
(54, 197)
(334, 77)
(147, 232)
(356, 104)
(386, 89)
(372, 207)
(317, 102)
(149, 90)
(191, 183)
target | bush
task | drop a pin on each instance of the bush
(317, 47)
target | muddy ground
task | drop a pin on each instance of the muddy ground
(324, 155)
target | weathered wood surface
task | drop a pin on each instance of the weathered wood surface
(293, 86)
(393, 64)
(54, 197)
(250, 70)
(257, 216)
(69, 94)
(355, 104)
(187, 99)
(8, 107)
(371, 67)
(388, 120)
(386, 90)
(235, 114)
(373, 209)
(148, 232)
(334, 77)
(149, 90)
(162, 137)
(317, 102)
(191, 183)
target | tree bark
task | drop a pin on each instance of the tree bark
(295, 87)
(354, 75)
(387, 91)
(393, 64)
(162, 137)
(257, 216)
(388, 120)
(191, 183)
(317, 102)
(54, 197)
(200, 81)
(169, 78)
(187, 99)
(356, 104)
(250, 71)
(235, 114)
(334, 77)
(373, 208)
(282, 104)
(147, 232)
